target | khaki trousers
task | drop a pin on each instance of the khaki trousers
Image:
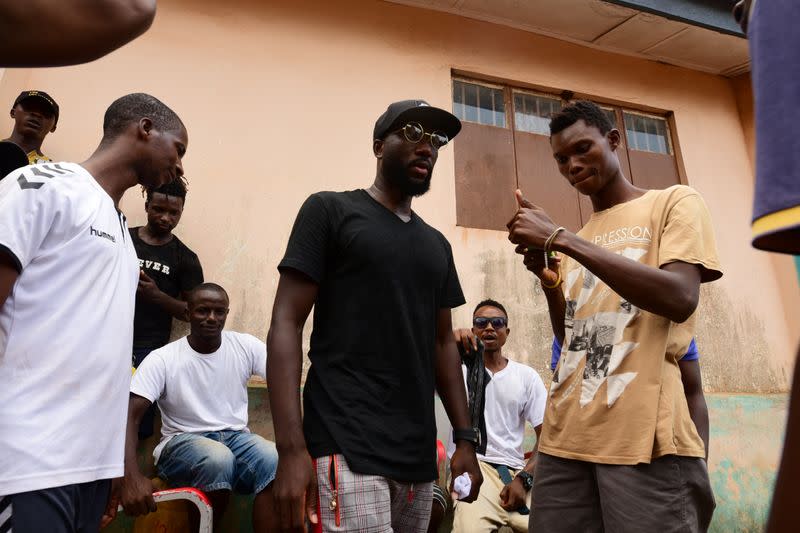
(485, 513)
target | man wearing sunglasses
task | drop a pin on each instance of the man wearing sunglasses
(515, 394)
(382, 283)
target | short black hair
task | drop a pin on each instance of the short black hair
(208, 287)
(134, 107)
(177, 188)
(584, 110)
(491, 303)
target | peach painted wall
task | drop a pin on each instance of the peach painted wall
(280, 99)
(785, 271)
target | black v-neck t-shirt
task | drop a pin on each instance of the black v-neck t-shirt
(369, 394)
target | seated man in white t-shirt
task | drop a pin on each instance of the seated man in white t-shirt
(200, 383)
(514, 394)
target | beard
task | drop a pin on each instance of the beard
(397, 174)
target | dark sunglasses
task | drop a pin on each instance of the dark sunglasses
(414, 133)
(497, 322)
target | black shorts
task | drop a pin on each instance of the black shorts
(74, 508)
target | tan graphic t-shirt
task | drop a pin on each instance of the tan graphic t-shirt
(617, 396)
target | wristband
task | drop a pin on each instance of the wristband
(471, 435)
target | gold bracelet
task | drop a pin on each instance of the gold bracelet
(554, 285)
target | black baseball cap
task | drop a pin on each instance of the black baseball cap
(41, 95)
(404, 111)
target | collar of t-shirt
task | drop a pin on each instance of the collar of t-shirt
(404, 218)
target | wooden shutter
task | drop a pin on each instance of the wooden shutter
(485, 179)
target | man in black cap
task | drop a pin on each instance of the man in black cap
(382, 283)
(35, 114)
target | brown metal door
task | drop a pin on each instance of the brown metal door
(485, 179)
(653, 171)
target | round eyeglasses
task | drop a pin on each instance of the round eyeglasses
(414, 133)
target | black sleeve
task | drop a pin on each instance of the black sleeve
(451, 294)
(191, 273)
(309, 240)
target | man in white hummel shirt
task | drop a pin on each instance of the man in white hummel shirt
(68, 277)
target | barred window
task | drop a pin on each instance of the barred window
(647, 133)
(481, 104)
(532, 112)
(492, 157)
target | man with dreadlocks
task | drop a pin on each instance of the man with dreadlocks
(168, 270)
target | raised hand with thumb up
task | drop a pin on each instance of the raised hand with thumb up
(530, 226)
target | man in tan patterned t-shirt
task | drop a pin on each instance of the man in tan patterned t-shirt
(619, 451)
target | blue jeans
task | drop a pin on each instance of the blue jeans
(219, 460)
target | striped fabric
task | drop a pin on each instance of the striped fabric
(5, 514)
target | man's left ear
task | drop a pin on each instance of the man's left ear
(144, 127)
(377, 148)
(614, 138)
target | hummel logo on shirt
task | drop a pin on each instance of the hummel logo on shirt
(103, 234)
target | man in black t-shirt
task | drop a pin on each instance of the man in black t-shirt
(168, 270)
(382, 283)
(35, 115)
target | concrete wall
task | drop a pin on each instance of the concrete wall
(280, 99)
(785, 270)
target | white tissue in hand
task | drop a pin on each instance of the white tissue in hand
(462, 485)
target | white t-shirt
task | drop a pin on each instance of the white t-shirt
(199, 392)
(66, 329)
(514, 395)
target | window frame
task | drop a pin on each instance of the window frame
(665, 118)
(540, 94)
(511, 88)
(490, 85)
